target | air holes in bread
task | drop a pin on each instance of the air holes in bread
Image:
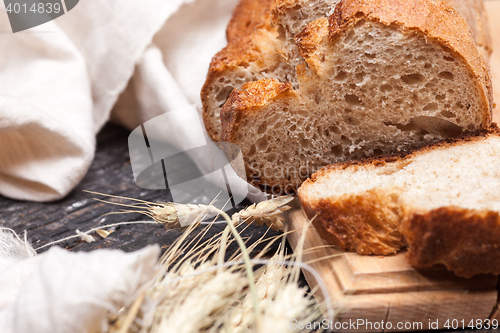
(446, 75)
(341, 76)
(262, 144)
(353, 99)
(433, 125)
(262, 128)
(223, 95)
(448, 114)
(386, 88)
(412, 78)
(431, 107)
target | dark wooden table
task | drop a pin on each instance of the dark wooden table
(110, 173)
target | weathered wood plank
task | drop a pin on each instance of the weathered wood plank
(110, 173)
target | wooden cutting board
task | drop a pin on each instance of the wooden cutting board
(376, 288)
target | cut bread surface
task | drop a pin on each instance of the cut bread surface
(275, 55)
(443, 201)
(291, 17)
(375, 84)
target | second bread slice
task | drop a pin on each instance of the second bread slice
(442, 201)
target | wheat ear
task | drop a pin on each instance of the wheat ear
(178, 216)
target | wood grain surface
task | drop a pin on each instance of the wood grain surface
(110, 173)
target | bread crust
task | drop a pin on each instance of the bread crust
(465, 241)
(251, 43)
(251, 95)
(474, 12)
(366, 224)
(257, 51)
(310, 41)
(245, 101)
(377, 162)
(408, 16)
(248, 16)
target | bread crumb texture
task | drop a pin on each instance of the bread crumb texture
(374, 78)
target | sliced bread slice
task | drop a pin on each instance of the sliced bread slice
(378, 80)
(442, 201)
(261, 45)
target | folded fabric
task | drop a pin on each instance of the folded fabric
(60, 291)
(61, 80)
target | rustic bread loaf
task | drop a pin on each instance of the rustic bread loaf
(378, 79)
(443, 201)
(234, 66)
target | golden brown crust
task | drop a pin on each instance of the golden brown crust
(367, 223)
(256, 51)
(244, 101)
(465, 241)
(437, 19)
(248, 16)
(310, 39)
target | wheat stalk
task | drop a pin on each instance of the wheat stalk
(196, 293)
(179, 216)
(268, 212)
(200, 292)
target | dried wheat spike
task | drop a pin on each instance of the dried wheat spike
(266, 212)
(179, 215)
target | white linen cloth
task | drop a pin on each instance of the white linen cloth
(60, 81)
(63, 292)
(58, 85)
